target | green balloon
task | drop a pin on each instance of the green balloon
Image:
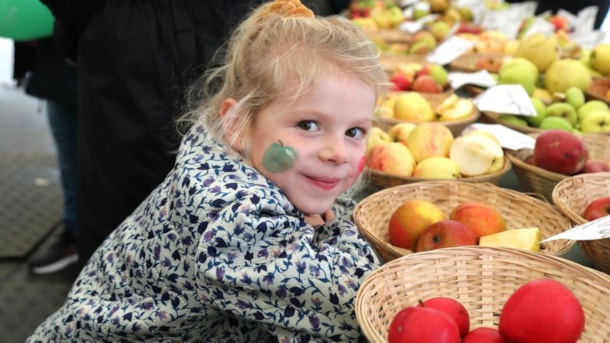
(25, 20)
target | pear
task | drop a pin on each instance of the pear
(539, 49)
(565, 73)
(524, 238)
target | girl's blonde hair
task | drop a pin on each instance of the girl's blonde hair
(272, 46)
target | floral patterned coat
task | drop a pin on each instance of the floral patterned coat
(217, 253)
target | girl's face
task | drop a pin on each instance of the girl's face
(326, 127)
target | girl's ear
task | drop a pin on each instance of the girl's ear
(230, 125)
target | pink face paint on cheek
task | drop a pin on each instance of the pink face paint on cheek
(361, 164)
(279, 158)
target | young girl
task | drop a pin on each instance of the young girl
(247, 240)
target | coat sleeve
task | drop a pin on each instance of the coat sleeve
(270, 267)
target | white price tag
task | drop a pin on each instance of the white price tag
(410, 26)
(540, 25)
(596, 229)
(589, 39)
(449, 50)
(480, 78)
(585, 21)
(508, 21)
(512, 99)
(508, 138)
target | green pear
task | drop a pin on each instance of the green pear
(519, 71)
(565, 73)
(575, 97)
(556, 123)
(591, 105)
(562, 110)
(513, 119)
(541, 110)
(600, 58)
(540, 49)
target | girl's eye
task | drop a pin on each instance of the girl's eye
(308, 125)
(355, 132)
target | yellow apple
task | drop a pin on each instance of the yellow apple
(376, 136)
(392, 158)
(400, 132)
(524, 238)
(410, 219)
(540, 49)
(437, 168)
(454, 108)
(565, 73)
(600, 58)
(413, 107)
(428, 140)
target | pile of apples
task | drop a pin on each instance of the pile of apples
(420, 225)
(565, 153)
(430, 151)
(540, 310)
(413, 106)
(418, 77)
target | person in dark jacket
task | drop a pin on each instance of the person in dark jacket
(134, 60)
(46, 75)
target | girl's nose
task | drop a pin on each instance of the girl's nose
(335, 150)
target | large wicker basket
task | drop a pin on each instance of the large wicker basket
(373, 213)
(572, 195)
(482, 279)
(538, 180)
(385, 180)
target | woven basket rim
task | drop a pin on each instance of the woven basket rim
(562, 205)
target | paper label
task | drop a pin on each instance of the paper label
(585, 21)
(588, 39)
(449, 50)
(512, 99)
(508, 21)
(540, 25)
(410, 26)
(596, 229)
(508, 138)
(480, 78)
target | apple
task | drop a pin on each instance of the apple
(600, 58)
(600, 207)
(481, 218)
(523, 238)
(439, 74)
(491, 63)
(484, 335)
(595, 166)
(556, 123)
(542, 310)
(453, 308)
(565, 73)
(376, 136)
(399, 132)
(426, 84)
(445, 234)
(591, 106)
(513, 119)
(400, 82)
(437, 167)
(519, 70)
(575, 97)
(392, 158)
(597, 121)
(562, 110)
(540, 49)
(541, 112)
(560, 151)
(413, 107)
(423, 325)
(476, 154)
(439, 29)
(410, 219)
(454, 107)
(428, 140)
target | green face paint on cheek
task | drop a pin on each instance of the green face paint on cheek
(279, 158)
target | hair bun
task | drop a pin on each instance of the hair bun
(289, 8)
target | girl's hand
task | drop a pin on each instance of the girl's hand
(318, 220)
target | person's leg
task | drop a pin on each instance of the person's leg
(62, 253)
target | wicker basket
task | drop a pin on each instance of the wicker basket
(435, 99)
(373, 213)
(482, 279)
(572, 195)
(385, 180)
(538, 180)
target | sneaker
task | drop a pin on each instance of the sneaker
(60, 255)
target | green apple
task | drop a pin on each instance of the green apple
(439, 29)
(565, 73)
(439, 74)
(596, 122)
(563, 110)
(513, 119)
(556, 123)
(540, 108)
(437, 167)
(575, 97)
(519, 71)
(600, 58)
(591, 105)
(279, 158)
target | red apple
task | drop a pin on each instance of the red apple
(423, 325)
(426, 84)
(595, 166)
(542, 310)
(560, 151)
(453, 308)
(483, 335)
(400, 82)
(481, 218)
(490, 63)
(597, 208)
(445, 234)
